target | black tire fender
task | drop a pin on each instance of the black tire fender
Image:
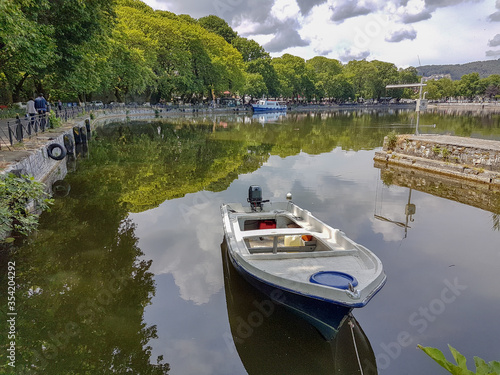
(56, 156)
(60, 188)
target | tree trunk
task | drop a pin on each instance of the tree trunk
(118, 95)
(16, 94)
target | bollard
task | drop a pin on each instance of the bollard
(77, 135)
(83, 134)
(19, 129)
(87, 126)
(68, 143)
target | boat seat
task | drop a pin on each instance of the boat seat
(282, 249)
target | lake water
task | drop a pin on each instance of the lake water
(129, 264)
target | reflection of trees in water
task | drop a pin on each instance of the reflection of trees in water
(496, 221)
(170, 158)
(82, 287)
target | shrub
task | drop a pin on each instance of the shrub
(392, 139)
(55, 122)
(15, 194)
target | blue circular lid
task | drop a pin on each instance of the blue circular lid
(335, 279)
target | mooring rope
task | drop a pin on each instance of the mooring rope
(351, 324)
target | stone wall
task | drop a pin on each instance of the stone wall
(471, 158)
(37, 162)
(474, 152)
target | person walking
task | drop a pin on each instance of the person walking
(41, 104)
(41, 107)
(31, 111)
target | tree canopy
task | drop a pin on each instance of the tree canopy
(123, 50)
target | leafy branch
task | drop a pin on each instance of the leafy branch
(460, 368)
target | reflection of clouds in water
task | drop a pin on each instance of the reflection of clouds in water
(390, 205)
(192, 338)
(390, 232)
(196, 357)
(183, 237)
(334, 189)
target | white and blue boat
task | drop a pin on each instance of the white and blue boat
(264, 105)
(299, 261)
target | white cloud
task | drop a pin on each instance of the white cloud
(400, 35)
(285, 9)
(441, 32)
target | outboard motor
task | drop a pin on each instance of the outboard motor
(255, 197)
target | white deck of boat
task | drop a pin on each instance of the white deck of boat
(301, 269)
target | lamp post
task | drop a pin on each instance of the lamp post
(419, 100)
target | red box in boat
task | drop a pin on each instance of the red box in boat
(267, 224)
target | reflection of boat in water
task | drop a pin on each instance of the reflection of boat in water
(268, 117)
(271, 340)
(299, 261)
(264, 105)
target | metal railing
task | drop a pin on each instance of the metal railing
(16, 130)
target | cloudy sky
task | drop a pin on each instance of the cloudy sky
(405, 32)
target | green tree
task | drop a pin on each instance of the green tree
(341, 89)
(27, 46)
(468, 86)
(407, 75)
(185, 59)
(293, 76)
(265, 68)
(489, 86)
(45, 43)
(249, 49)
(80, 29)
(254, 85)
(386, 73)
(362, 76)
(323, 70)
(218, 26)
(441, 89)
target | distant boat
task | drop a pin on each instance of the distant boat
(264, 105)
(299, 261)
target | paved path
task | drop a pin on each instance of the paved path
(459, 141)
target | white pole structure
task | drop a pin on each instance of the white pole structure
(419, 100)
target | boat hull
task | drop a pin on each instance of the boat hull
(268, 109)
(300, 262)
(325, 316)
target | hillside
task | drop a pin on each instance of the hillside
(484, 68)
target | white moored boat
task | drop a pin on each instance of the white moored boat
(299, 261)
(264, 105)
